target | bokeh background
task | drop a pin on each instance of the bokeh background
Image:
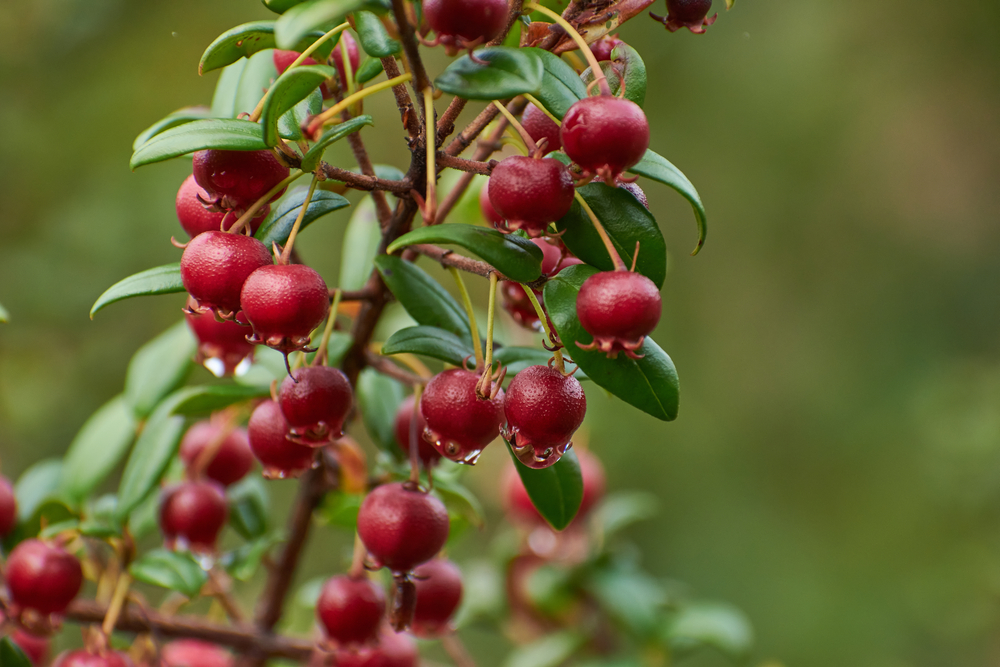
(835, 470)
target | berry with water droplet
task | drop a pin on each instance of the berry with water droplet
(232, 459)
(439, 592)
(284, 303)
(351, 609)
(462, 24)
(404, 419)
(194, 653)
(268, 433)
(619, 309)
(540, 126)
(543, 408)
(192, 515)
(529, 193)
(402, 526)
(605, 135)
(8, 507)
(42, 576)
(459, 423)
(215, 265)
(222, 346)
(690, 14)
(315, 404)
(238, 178)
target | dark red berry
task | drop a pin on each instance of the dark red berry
(439, 592)
(8, 507)
(193, 514)
(283, 304)
(353, 55)
(619, 309)
(512, 295)
(393, 650)
(36, 648)
(238, 178)
(315, 404)
(459, 423)
(543, 408)
(194, 653)
(605, 135)
(84, 658)
(401, 526)
(603, 47)
(42, 576)
(404, 419)
(351, 610)
(215, 265)
(461, 24)
(690, 14)
(530, 193)
(222, 346)
(283, 60)
(268, 433)
(232, 459)
(486, 207)
(518, 504)
(194, 211)
(540, 126)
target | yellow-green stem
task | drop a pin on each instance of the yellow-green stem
(595, 67)
(357, 570)
(287, 252)
(476, 344)
(322, 353)
(351, 99)
(541, 107)
(430, 209)
(615, 257)
(528, 141)
(543, 318)
(345, 57)
(117, 600)
(260, 203)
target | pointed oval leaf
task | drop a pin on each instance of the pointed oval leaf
(152, 453)
(429, 342)
(361, 241)
(95, 451)
(160, 280)
(649, 383)
(203, 399)
(379, 397)
(373, 37)
(516, 258)
(368, 70)
(631, 597)
(422, 297)
(228, 134)
(278, 225)
(258, 75)
(556, 491)
(711, 624)
(315, 153)
(179, 117)
(291, 88)
(551, 650)
(625, 64)
(460, 501)
(660, 169)
(11, 654)
(158, 368)
(321, 15)
(245, 40)
(172, 570)
(291, 122)
(508, 72)
(36, 485)
(224, 97)
(561, 86)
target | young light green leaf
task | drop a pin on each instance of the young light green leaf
(179, 117)
(161, 280)
(625, 64)
(429, 342)
(361, 241)
(158, 368)
(203, 399)
(172, 570)
(228, 134)
(224, 97)
(660, 169)
(374, 39)
(291, 87)
(551, 650)
(245, 40)
(36, 485)
(710, 624)
(378, 399)
(631, 597)
(422, 297)
(256, 78)
(313, 156)
(517, 258)
(11, 654)
(561, 85)
(556, 491)
(321, 15)
(279, 223)
(508, 72)
(145, 518)
(620, 510)
(97, 449)
(156, 446)
(341, 510)
(248, 503)
(368, 70)
(290, 123)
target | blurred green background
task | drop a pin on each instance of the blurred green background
(835, 470)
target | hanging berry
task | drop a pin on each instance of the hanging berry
(619, 309)
(42, 576)
(529, 193)
(402, 431)
(237, 179)
(543, 408)
(690, 14)
(192, 515)
(232, 459)
(351, 610)
(315, 403)
(84, 658)
(402, 526)
(605, 135)
(194, 653)
(268, 431)
(439, 592)
(8, 507)
(459, 423)
(540, 127)
(214, 267)
(465, 24)
(222, 346)
(284, 303)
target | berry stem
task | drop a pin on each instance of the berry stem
(456, 650)
(595, 67)
(528, 141)
(357, 570)
(287, 251)
(544, 319)
(414, 444)
(117, 601)
(324, 117)
(476, 344)
(260, 203)
(615, 257)
(322, 356)
(345, 58)
(430, 210)
(485, 385)
(541, 107)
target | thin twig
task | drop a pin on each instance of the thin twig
(403, 101)
(365, 182)
(386, 367)
(460, 163)
(451, 259)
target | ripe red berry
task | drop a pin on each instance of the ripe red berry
(486, 207)
(8, 507)
(84, 658)
(605, 135)
(222, 346)
(268, 433)
(351, 610)
(232, 459)
(619, 309)
(513, 298)
(404, 419)
(461, 24)
(195, 218)
(543, 408)
(215, 265)
(402, 526)
(315, 404)
(42, 576)
(283, 60)
(194, 653)
(35, 648)
(352, 52)
(518, 504)
(393, 650)
(284, 303)
(238, 178)
(459, 423)
(439, 592)
(603, 47)
(193, 514)
(540, 126)
(690, 14)
(530, 193)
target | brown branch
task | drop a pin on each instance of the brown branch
(461, 262)
(484, 150)
(384, 366)
(409, 41)
(403, 101)
(471, 166)
(354, 295)
(446, 124)
(382, 209)
(366, 182)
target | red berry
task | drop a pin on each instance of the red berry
(42, 576)
(459, 423)
(36, 648)
(603, 47)
(461, 24)
(193, 514)
(393, 650)
(83, 658)
(195, 218)
(513, 297)
(194, 653)
(543, 408)
(232, 459)
(351, 610)
(315, 404)
(353, 55)
(619, 309)
(222, 346)
(540, 126)
(8, 507)
(690, 14)
(605, 135)
(283, 60)
(401, 526)
(283, 304)
(215, 265)
(268, 432)
(439, 592)
(239, 178)
(404, 418)
(520, 508)
(530, 193)
(486, 207)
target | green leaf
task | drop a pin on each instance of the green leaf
(245, 40)
(561, 86)
(203, 399)
(368, 70)
(626, 63)
(659, 169)
(711, 624)
(145, 519)
(281, 6)
(36, 485)
(54, 529)
(631, 597)
(224, 97)
(243, 563)
(312, 158)
(97, 449)
(373, 37)
(48, 512)
(516, 359)
(158, 368)
(156, 446)
(361, 241)
(4, 315)
(290, 123)
(429, 342)
(620, 510)
(279, 223)
(291, 87)
(179, 117)
(248, 503)
(171, 570)
(341, 510)
(626, 221)
(319, 15)
(460, 501)
(551, 650)
(11, 654)
(517, 258)
(423, 298)
(556, 491)
(234, 135)
(255, 79)
(509, 72)
(161, 280)
(649, 383)
(379, 397)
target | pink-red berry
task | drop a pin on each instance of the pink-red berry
(530, 193)
(543, 408)
(42, 576)
(194, 653)
(619, 309)
(439, 592)
(603, 47)
(459, 423)
(84, 658)
(192, 515)
(34, 647)
(268, 433)
(222, 346)
(284, 303)
(402, 431)
(8, 507)
(354, 57)
(540, 126)
(196, 215)
(232, 459)
(393, 650)
(605, 135)
(461, 24)
(315, 403)
(690, 14)
(402, 526)
(512, 296)
(215, 265)
(237, 179)
(351, 610)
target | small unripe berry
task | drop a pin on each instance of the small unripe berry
(402, 430)
(605, 135)
(603, 47)
(439, 592)
(393, 650)
(402, 526)
(315, 404)
(232, 459)
(543, 408)
(192, 515)
(268, 433)
(462, 24)
(530, 193)
(518, 504)
(690, 14)
(8, 507)
(42, 576)
(239, 178)
(284, 303)
(222, 346)
(194, 653)
(619, 309)
(351, 610)
(459, 423)
(215, 265)
(540, 126)
(84, 658)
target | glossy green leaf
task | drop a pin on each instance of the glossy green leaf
(160, 280)
(248, 504)
(291, 122)
(334, 134)
(145, 518)
(373, 37)
(561, 85)
(179, 117)
(321, 15)
(509, 72)
(281, 6)
(460, 501)
(556, 491)
(158, 368)
(255, 79)
(429, 342)
(620, 510)
(341, 510)
(423, 298)
(11, 654)
(234, 135)
(291, 88)
(361, 241)
(203, 399)
(245, 40)
(278, 224)
(625, 64)
(97, 449)
(660, 169)
(626, 221)
(516, 358)
(379, 397)
(172, 570)
(552, 650)
(631, 597)
(35, 485)
(517, 258)
(52, 530)
(224, 97)
(156, 446)
(368, 70)
(4, 315)
(649, 383)
(711, 624)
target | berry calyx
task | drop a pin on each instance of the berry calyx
(540, 126)
(603, 47)
(464, 24)
(42, 576)
(283, 304)
(214, 267)
(222, 346)
(197, 214)
(194, 653)
(315, 403)
(459, 423)
(192, 515)
(395, 649)
(237, 179)
(439, 592)
(232, 459)
(690, 14)
(605, 135)
(351, 610)
(84, 658)
(8, 507)
(519, 507)
(530, 193)
(268, 431)
(544, 408)
(402, 526)
(402, 430)
(352, 53)
(619, 309)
